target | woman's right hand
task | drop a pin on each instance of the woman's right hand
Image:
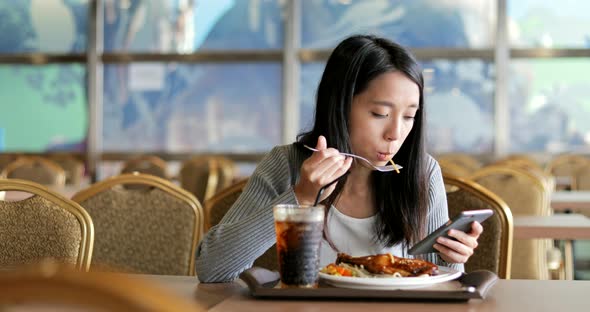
(323, 167)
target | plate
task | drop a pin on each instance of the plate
(390, 283)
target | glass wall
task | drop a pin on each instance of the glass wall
(412, 23)
(44, 107)
(549, 106)
(188, 76)
(223, 107)
(185, 26)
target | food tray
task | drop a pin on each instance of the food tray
(263, 283)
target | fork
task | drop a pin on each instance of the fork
(387, 168)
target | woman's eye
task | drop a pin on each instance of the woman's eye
(409, 117)
(379, 115)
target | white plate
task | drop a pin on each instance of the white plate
(390, 283)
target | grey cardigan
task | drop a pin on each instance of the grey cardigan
(247, 230)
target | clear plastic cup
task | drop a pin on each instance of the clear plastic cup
(299, 231)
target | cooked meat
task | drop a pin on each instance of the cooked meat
(389, 264)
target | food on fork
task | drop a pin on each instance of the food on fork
(382, 265)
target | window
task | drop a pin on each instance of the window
(234, 107)
(43, 107)
(52, 26)
(550, 105)
(549, 24)
(185, 26)
(412, 23)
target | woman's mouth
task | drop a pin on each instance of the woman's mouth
(384, 156)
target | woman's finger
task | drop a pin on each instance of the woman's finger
(456, 246)
(470, 240)
(450, 255)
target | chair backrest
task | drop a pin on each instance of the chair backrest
(49, 286)
(200, 176)
(217, 206)
(227, 172)
(522, 160)
(74, 168)
(7, 158)
(547, 179)
(454, 169)
(147, 164)
(36, 169)
(525, 194)
(153, 229)
(566, 166)
(582, 178)
(46, 225)
(494, 252)
(463, 160)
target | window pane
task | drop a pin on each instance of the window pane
(413, 23)
(56, 26)
(549, 23)
(185, 108)
(311, 73)
(43, 107)
(459, 103)
(550, 105)
(184, 26)
(460, 106)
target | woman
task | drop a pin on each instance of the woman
(370, 102)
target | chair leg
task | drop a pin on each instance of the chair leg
(568, 251)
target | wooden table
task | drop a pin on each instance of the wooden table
(574, 201)
(566, 227)
(506, 295)
(557, 226)
(188, 287)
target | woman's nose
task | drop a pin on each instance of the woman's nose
(393, 132)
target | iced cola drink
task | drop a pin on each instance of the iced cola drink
(299, 234)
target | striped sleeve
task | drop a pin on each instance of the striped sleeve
(247, 230)
(438, 212)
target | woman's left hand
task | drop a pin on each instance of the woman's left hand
(459, 250)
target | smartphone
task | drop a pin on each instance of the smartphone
(461, 222)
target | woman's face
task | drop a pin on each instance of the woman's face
(382, 116)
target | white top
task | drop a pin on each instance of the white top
(352, 236)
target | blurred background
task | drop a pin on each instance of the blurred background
(108, 80)
(175, 77)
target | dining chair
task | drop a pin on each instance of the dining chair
(582, 178)
(35, 169)
(454, 169)
(218, 205)
(466, 161)
(216, 208)
(50, 286)
(494, 252)
(522, 160)
(7, 158)
(547, 179)
(566, 166)
(46, 225)
(227, 172)
(73, 167)
(147, 164)
(200, 176)
(526, 194)
(153, 229)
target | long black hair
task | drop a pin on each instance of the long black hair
(401, 199)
